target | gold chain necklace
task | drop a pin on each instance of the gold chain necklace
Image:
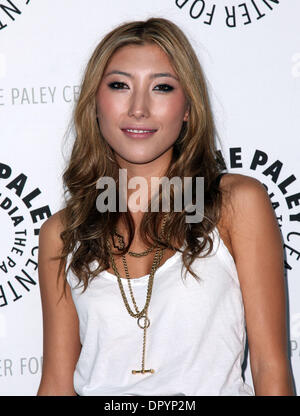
(144, 312)
(131, 253)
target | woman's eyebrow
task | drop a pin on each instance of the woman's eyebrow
(156, 75)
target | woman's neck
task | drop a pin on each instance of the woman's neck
(138, 180)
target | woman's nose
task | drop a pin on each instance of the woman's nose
(139, 105)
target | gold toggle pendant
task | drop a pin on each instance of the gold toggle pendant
(143, 371)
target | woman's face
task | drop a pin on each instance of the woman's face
(141, 105)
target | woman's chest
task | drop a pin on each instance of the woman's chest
(107, 301)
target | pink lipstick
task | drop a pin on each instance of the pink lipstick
(138, 132)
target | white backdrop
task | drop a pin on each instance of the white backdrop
(250, 52)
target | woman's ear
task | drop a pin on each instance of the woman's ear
(187, 111)
(186, 115)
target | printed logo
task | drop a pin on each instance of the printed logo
(138, 200)
(21, 217)
(16, 96)
(230, 14)
(9, 11)
(20, 366)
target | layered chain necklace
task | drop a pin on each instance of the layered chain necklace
(142, 316)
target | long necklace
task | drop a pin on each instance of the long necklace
(143, 314)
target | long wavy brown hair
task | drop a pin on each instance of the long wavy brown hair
(86, 230)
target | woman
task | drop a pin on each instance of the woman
(121, 319)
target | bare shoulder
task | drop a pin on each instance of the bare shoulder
(242, 192)
(54, 224)
(51, 229)
(246, 208)
(239, 185)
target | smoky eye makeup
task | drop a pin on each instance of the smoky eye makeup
(164, 87)
(118, 85)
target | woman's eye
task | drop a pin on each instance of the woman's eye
(121, 86)
(164, 87)
(118, 85)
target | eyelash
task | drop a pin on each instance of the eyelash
(169, 87)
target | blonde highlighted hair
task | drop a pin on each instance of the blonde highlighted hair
(85, 229)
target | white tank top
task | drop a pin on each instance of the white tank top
(195, 341)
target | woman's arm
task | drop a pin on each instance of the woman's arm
(60, 322)
(258, 253)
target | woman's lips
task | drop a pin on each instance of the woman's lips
(138, 133)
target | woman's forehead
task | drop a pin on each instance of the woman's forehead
(146, 57)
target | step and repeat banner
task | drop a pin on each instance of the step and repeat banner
(250, 53)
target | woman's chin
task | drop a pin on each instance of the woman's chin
(137, 159)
